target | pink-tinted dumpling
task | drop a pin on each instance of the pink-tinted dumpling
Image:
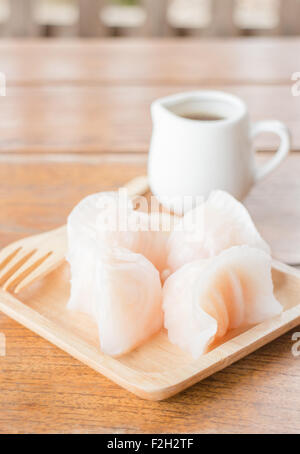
(206, 298)
(217, 224)
(122, 292)
(82, 220)
(118, 287)
(110, 221)
(140, 232)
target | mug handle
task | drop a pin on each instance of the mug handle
(282, 131)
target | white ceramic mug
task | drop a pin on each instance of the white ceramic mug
(193, 157)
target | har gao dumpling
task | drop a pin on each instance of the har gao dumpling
(111, 221)
(213, 226)
(140, 232)
(81, 224)
(122, 292)
(206, 298)
(110, 280)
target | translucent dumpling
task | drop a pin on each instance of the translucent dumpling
(206, 298)
(110, 278)
(137, 231)
(111, 221)
(217, 224)
(122, 292)
(83, 218)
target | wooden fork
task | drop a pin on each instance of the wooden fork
(31, 258)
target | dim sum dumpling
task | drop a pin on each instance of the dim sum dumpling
(122, 292)
(140, 232)
(111, 221)
(206, 298)
(215, 225)
(82, 220)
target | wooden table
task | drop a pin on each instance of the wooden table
(75, 121)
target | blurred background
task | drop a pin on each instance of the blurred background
(94, 18)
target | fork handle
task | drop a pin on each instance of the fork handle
(137, 186)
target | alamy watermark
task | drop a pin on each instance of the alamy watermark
(120, 213)
(296, 345)
(296, 85)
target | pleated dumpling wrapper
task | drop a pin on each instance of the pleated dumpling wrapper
(113, 222)
(115, 285)
(121, 291)
(206, 298)
(137, 231)
(213, 226)
(81, 224)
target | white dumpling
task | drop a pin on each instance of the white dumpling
(122, 292)
(215, 225)
(206, 298)
(82, 219)
(137, 231)
(111, 221)
(114, 285)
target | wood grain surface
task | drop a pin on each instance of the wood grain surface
(76, 121)
(117, 118)
(158, 369)
(135, 61)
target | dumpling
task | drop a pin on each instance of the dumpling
(110, 280)
(81, 224)
(122, 291)
(213, 226)
(140, 232)
(111, 221)
(81, 236)
(206, 298)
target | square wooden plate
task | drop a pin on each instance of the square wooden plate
(157, 369)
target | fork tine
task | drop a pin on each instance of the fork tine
(9, 257)
(14, 264)
(33, 262)
(50, 263)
